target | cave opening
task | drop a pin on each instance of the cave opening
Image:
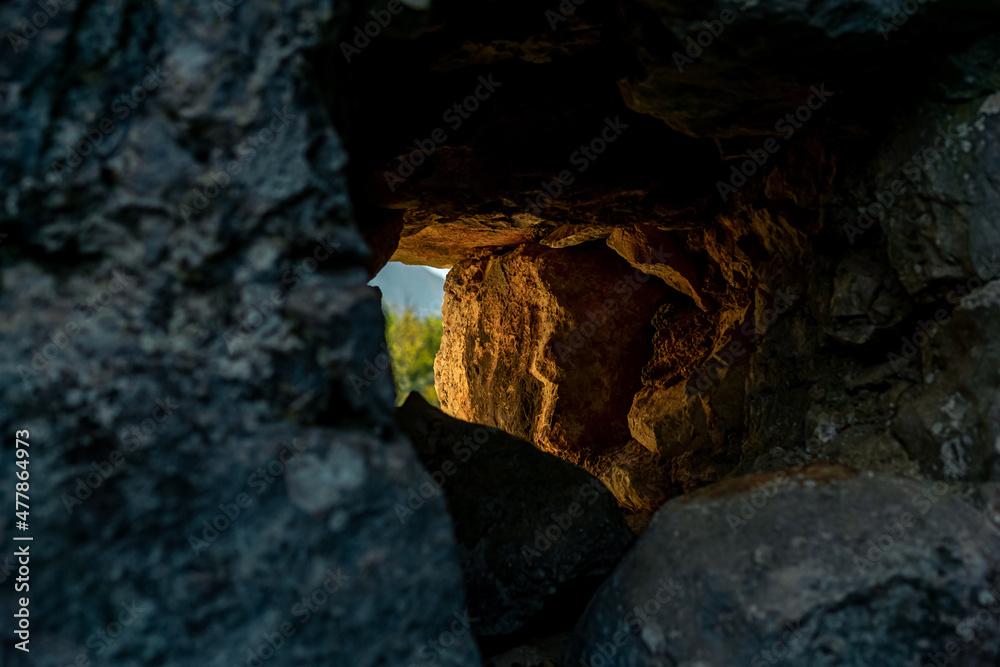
(679, 281)
(733, 264)
(412, 296)
(640, 255)
(599, 286)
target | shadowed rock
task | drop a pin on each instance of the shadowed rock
(535, 532)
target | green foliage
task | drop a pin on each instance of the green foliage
(413, 344)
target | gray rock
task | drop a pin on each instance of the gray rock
(180, 301)
(937, 200)
(951, 424)
(818, 567)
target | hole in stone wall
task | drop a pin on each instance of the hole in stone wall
(649, 277)
(412, 296)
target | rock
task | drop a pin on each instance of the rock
(444, 244)
(547, 652)
(493, 181)
(866, 298)
(693, 386)
(182, 284)
(636, 476)
(814, 567)
(565, 236)
(536, 533)
(690, 61)
(670, 422)
(950, 422)
(188, 342)
(546, 344)
(657, 253)
(936, 203)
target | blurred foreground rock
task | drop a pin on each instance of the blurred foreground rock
(186, 332)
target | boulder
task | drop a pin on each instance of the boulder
(536, 534)
(193, 357)
(817, 566)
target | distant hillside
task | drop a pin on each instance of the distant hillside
(414, 286)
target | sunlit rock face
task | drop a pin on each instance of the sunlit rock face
(807, 187)
(554, 347)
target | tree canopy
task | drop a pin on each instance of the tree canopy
(413, 344)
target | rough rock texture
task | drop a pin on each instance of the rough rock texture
(536, 534)
(178, 220)
(637, 477)
(952, 428)
(795, 327)
(814, 567)
(656, 252)
(757, 61)
(544, 343)
(547, 652)
(896, 307)
(168, 324)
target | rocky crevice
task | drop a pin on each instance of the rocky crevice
(753, 293)
(656, 297)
